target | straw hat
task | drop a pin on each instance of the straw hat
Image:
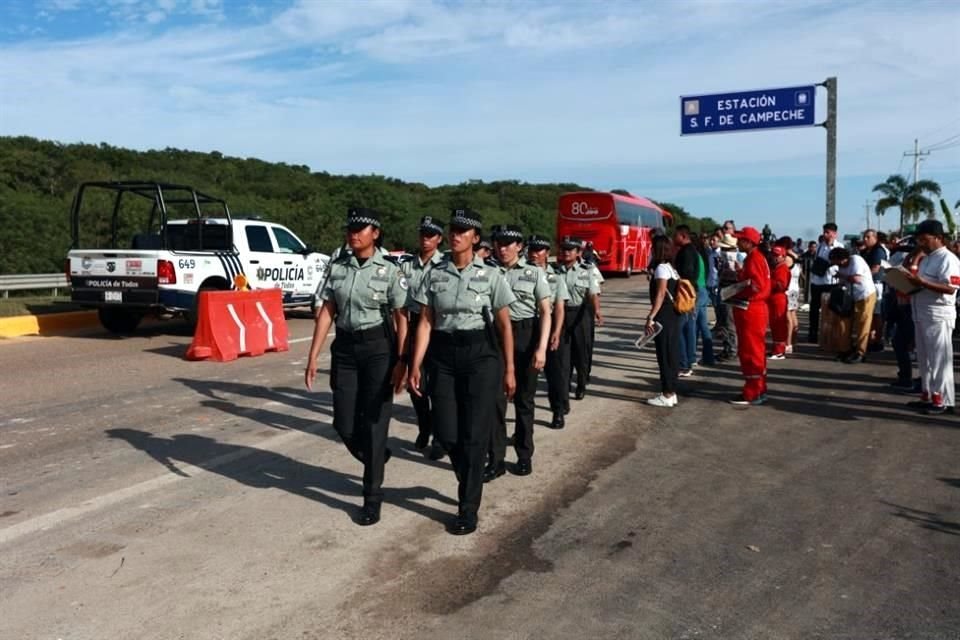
(728, 242)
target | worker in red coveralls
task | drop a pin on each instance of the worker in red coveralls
(750, 315)
(779, 283)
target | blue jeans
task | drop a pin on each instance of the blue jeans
(688, 338)
(703, 327)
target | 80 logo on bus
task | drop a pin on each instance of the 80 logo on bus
(582, 209)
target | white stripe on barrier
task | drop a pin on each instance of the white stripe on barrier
(243, 331)
(263, 314)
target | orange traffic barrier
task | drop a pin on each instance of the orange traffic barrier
(231, 324)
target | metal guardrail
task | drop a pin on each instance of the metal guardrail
(31, 281)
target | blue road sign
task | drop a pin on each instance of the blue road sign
(745, 110)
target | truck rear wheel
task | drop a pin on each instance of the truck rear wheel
(119, 321)
(213, 284)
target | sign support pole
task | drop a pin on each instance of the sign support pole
(831, 127)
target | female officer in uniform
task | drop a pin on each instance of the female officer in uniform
(460, 299)
(558, 357)
(361, 291)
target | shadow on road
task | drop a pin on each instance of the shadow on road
(268, 470)
(925, 519)
(218, 392)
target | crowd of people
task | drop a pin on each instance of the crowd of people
(756, 284)
(468, 330)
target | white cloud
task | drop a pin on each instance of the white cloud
(441, 91)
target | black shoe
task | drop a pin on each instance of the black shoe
(558, 421)
(523, 468)
(566, 410)
(369, 514)
(436, 451)
(422, 441)
(937, 409)
(464, 524)
(493, 471)
(580, 392)
(854, 358)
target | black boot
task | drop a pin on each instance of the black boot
(493, 471)
(463, 524)
(558, 421)
(369, 514)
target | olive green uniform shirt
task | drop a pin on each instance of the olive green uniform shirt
(558, 285)
(529, 285)
(414, 270)
(458, 297)
(358, 291)
(580, 280)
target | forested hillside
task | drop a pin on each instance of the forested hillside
(38, 179)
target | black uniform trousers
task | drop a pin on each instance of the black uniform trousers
(591, 338)
(526, 334)
(421, 403)
(465, 376)
(363, 400)
(577, 327)
(558, 375)
(498, 433)
(816, 293)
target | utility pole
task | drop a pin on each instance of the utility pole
(866, 210)
(831, 127)
(917, 157)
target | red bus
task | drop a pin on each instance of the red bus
(621, 227)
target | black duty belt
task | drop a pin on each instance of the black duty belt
(526, 322)
(363, 335)
(459, 337)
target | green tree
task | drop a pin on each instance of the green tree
(910, 198)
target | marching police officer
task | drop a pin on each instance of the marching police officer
(530, 320)
(582, 310)
(497, 453)
(361, 292)
(558, 351)
(431, 235)
(460, 300)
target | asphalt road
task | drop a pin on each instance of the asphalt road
(143, 496)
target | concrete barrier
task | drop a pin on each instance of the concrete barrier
(46, 324)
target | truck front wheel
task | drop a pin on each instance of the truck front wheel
(119, 321)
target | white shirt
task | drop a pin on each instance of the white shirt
(859, 267)
(664, 272)
(830, 277)
(941, 267)
(795, 271)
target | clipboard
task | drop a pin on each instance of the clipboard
(733, 289)
(896, 277)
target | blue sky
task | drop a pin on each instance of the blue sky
(440, 91)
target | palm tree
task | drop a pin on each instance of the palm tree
(909, 197)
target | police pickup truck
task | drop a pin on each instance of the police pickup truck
(148, 248)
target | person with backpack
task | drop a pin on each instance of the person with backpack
(663, 291)
(854, 270)
(751, 316)
(686, 261)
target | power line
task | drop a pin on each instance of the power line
(938, 129)
(936, 146)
